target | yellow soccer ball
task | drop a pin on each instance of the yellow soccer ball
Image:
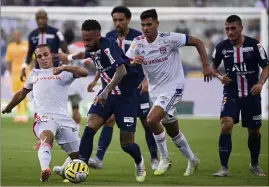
(76, 171)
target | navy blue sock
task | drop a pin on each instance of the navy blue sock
(254, 145)
(104, 141)
(152, 146)
(86, 144)
(133, 150)
(225, 148)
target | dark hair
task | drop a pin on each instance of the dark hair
(69, 36)
(151, 13)
(41, 46)
(234, 18)
(41, 11)
(122, 9)
(91, 25)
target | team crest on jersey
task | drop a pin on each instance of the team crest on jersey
(140, 45)
(163, 50)
(163, 34)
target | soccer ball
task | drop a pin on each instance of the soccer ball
(76, 171)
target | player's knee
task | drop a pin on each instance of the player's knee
(110, 122)
(46, 136)
(227, 124)
(253, 132)
(152, 121)
(126, 138)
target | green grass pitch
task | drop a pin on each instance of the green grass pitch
(20, 166)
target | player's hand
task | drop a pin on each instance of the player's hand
(208, 73)
(23, 75)
(60, 56)
(137, 60)
(87, 61)
(6, 110)
(101, 98)
(91, 86)
(143, 87)
(256, 89)
(225, 80)
(57, 70)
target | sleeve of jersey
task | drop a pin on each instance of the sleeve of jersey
(116, 55)
(262, 57)
(178, 39)
(68, 77)
(216, 57)
(60, 36)
(131, 53)
(29, 81)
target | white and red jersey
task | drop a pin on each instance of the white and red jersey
(50, 92)
(162, 65)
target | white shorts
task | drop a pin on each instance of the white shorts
(168, 101)
(64, 128)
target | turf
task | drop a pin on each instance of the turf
(20, 166)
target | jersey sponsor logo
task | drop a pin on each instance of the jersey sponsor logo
(108, 53)
(47, 78)
(247, 49)
(155, 61)
(163, 34)
(128, 120)
(163, 50)
(241, 69)
(261, 50)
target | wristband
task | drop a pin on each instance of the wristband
(70, 57)
(24, 65)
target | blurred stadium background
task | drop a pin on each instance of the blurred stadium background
(203, 19)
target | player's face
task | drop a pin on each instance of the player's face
(44, 57)
(41, 20)
(149, 27)
(120, 21)
(233, 30)
(91, 40)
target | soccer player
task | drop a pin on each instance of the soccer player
(44, 34)
(118, 97)
(124, 36)
(242, 57)
(52, 121)
(159, 56)
(15, 55)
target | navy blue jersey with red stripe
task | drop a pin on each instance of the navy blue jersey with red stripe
(241, 64)
(51, 36)
(126, 42)
(107, 59)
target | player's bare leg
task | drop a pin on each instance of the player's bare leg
(225, 145)
(103, 143)
(150, 143)
(155, 115)
(254, 145)
(44, 154)
(172, 129)
(76, 115)
(129, 146)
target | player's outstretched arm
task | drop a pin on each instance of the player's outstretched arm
(17, 98)
(207, 71)
(69, 57)
(116, 79)
(76, 70)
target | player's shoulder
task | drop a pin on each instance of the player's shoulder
(139, 39)
(52, 29)
(34, 32)
(112, 34)
(223, 44)
(134, 32)
(251, 41)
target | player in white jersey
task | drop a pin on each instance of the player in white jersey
(159, 56)
(52, 121)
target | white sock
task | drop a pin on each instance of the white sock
(161, 144)
(183, 146)
(44, 155)
(67, 160)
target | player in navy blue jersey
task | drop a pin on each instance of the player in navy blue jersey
(243, 83)
(118, 96)
(124, 36)
(43, 34)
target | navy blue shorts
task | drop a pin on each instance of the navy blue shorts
(143, 104)
(250, 108)
(123, 107)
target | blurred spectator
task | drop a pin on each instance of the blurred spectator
(199, 3)
(50, 2)
(182, 27)
(3, 51)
